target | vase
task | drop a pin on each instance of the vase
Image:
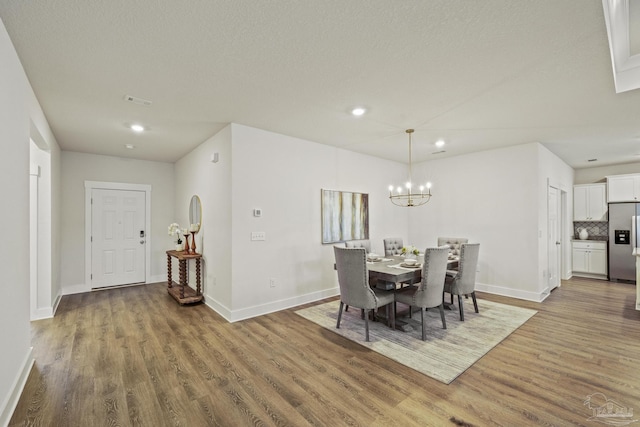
(583, 233)
(179, 247)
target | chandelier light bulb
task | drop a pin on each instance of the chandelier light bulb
(421, 188)
(408, 185)
(391, 188)
(399, 189)
(428, 185)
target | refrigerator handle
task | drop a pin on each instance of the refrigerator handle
(633, 233)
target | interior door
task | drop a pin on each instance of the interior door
(554, 237)
(118, 237)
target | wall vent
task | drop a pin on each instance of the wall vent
(136, 100)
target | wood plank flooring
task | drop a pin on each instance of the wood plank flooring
(134, 357)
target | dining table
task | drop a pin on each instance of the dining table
(391, 273)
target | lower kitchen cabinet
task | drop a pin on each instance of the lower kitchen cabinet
(590, 259)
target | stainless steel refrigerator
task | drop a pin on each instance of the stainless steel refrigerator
(623, 221)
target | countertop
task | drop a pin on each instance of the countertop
(592, 239)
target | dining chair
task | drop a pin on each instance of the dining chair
(353, 279)
(453, 243)
(365, 243)
(463, 281)
(429, 292)
(392, 246)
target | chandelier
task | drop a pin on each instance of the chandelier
(410, 197)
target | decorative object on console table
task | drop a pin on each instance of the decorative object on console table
(181, 291)
(174, 229)
(185, 233)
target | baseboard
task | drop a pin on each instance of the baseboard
(259, 310)
(42, 313)
(509, 292)
(82, 288)
(219, 308)
(157, 278)
(76, 289)
(10, 403)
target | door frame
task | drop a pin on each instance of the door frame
(89, 186)
(562, 232)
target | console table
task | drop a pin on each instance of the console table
(181, 291)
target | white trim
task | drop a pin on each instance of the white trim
(89, 186)
(34, 177)
(513, 293)
(259, 310)
(11, 401)
(626, 67)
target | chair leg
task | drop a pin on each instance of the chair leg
(362, 313)
(451, 298)
(339, 314)
(366, 325)
(424, 334)
(461, 309)
(410, 310)
(444, 322)
(346, 308)
(475, 303)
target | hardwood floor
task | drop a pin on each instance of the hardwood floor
(132, 356)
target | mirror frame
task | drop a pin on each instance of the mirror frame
(195, 208)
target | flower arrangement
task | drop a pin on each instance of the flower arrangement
(410, 250)
(174, 229)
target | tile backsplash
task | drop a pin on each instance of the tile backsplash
(596, 230)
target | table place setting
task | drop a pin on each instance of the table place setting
(372, 257)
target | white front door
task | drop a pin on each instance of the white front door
(118, 237)
(554, 223)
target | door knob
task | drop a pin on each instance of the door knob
(142, 242)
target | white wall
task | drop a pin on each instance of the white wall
(78, 168)
(598, 174)
(196, 175)
(492, 197)
(283, 176)
(14, 255)
(555, 172)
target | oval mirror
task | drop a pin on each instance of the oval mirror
(195, 214)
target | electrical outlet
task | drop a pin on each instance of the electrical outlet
(272, 283)
(258, 236)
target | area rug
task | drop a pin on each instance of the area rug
(446, 353)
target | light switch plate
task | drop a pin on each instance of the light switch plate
(258, 235)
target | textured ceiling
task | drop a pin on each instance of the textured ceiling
(477, 74)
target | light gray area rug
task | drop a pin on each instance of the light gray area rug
(447, 353)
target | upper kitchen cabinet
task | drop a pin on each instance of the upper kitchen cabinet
(624, 188)
(590, 202)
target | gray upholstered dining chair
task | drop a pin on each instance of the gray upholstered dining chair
(428, 293)
(453, 243)
(392, 246)
(355, 291)
(365, 243)
(463, 281)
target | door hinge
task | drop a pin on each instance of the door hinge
(91, 276)
(92, 238)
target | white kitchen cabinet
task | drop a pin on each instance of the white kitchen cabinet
(590, 259)
(623, 188)
(590, 202)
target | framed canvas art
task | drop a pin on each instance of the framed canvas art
(345, 216)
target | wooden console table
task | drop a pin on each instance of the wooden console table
(181, 291)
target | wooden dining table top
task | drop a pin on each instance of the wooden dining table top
(388, 270)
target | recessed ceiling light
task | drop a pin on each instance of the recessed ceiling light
(129, 146)
(440, 143)
(358, 111)
(137, 128)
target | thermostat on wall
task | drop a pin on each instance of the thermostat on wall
(257, 212)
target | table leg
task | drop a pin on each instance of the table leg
(183, 277)
(169, 284)
(198, 286)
